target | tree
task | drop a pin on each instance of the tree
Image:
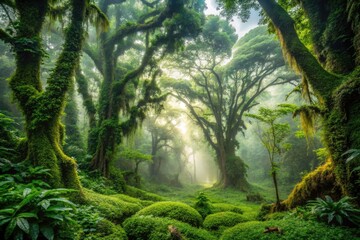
(161, 129)
(330, 71)
(273, 138)
(137, 157)
(150, 31)
(218, 96)
(42, 108)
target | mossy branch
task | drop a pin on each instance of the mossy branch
(131, 28)
(4, 36)
(297, 54)
(60, 78)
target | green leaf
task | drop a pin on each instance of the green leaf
(26, 200)
(55, 216)
(339, 219)
(10, 228)
(34, 231)
(19, 235)
(23, 224)
(26, 192)
(58, 209)
(8, 211)
(63, 200)
(45, 204)
(28, 215)
(47, 231)
(5, 220)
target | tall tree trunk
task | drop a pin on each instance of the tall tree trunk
(88, 103)
(338, 95)
(232, 168)
(108, 116)
(42, 109)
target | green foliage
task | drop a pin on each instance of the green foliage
(273, 136)
(173, 210)
(352, 155)
(106, 230)
(225, 207)
(155, 228)
(223, 219)
(94, 181)
(265, 209)
(141, 194)
(254, 197)
(203, 205)
(135, 155)
(8, 139)
(28, 209)
(88, 218)
(111, 206)
(337, 213)
(290, 229)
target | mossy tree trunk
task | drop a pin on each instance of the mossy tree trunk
(114, 95)
(339, 95)
(42, 108)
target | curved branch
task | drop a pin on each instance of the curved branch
(6, 37)
(298, 55)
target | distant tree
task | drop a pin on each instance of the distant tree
(273, 137)
(138, 36)
(217, 96)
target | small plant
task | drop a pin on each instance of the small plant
(37, 212)
(339, 213)
(88, 217)
(29, 210)
(203, 205)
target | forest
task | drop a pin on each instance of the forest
(179, 119)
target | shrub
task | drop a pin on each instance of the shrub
(202, 205)
(225, 207)
(110, 206)
(106, 230)
(35, 212)
(265, 209)
(155, 228)
(277, 215)
(290, 228)
(29, 210)
(225, 219)
(144, 195)
(254, 197)
(339, 213)
(174, 210)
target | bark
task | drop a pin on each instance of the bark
(42, 109)
(339, 96)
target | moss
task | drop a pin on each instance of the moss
(112, 207)
(290, 228)
(223, 219)
(107, 230)
(155, 228)
(117, 179)
(318, 183)
(174, 210)
(225, 207)
(144, 195)
(265, 210)
(129, 199)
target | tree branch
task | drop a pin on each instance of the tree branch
(6, 37)
(298, 55)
